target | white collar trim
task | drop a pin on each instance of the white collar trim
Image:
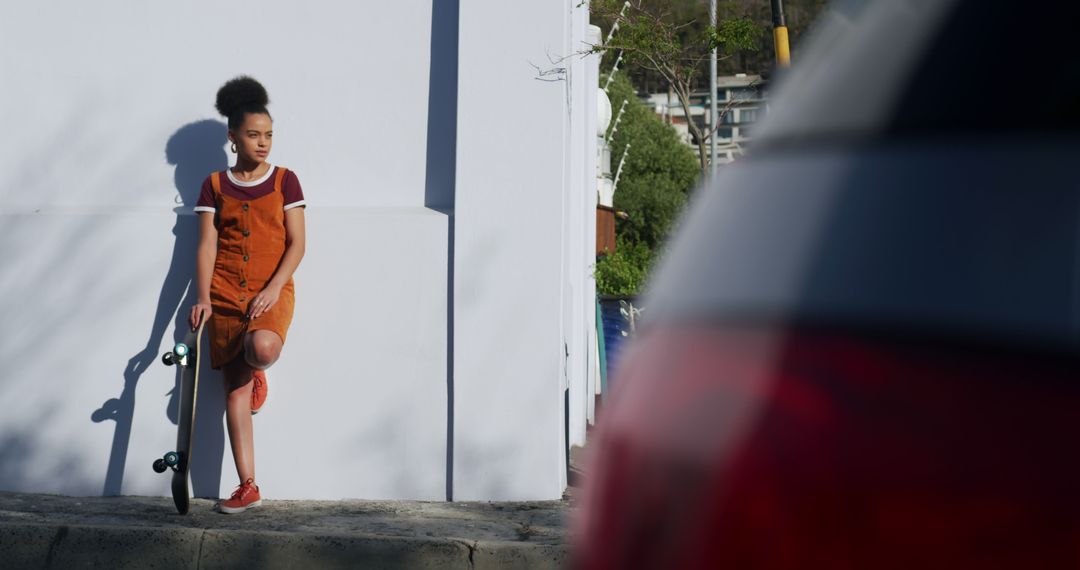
(263, 178)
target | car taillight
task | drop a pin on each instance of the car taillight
(757, 448)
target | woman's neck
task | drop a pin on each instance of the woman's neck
(247, 171)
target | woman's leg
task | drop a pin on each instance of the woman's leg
(238, 416)
(262, 348)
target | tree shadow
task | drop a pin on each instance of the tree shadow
(196, 149)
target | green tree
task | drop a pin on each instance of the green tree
(656, 179)
(694, 16)
(669, 40)
(658, 174)
(624, 272)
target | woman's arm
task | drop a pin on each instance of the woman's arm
(295, 243)
(205, 257)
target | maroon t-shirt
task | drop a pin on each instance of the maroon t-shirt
(290, 187)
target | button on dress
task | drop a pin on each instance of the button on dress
(251, 243)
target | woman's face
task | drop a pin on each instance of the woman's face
(254, 138)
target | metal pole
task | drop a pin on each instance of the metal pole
(780, 34)
(712, 95)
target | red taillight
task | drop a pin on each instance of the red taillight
(758, 449)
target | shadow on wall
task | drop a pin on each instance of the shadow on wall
(196, 150)
(440, 178)
(18, 447)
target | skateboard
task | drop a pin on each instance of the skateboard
(185, 355)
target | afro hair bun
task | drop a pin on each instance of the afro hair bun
(241, 94)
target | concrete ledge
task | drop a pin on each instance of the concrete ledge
(46, 546)
(121, 548)
(489, 555)
(28, 546)
(233, 549)
(116, 547)
(50, 531)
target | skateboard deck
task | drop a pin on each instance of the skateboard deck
(186, 356)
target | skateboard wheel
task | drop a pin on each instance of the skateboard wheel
(159, 466)
(180, 349)
(172, 459)
(169, 359)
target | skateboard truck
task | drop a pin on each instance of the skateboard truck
(171, 460)
(179, 355)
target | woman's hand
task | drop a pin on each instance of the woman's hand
(263, 301)
(199, 313)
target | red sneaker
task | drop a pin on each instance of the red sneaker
(245, 497)
(258, 390)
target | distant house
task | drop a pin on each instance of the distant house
(741, 101)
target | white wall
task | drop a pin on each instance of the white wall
(356, 402)
(109, 126)
(576, 259)
(439, 215)
(98, 87)
(508, 434)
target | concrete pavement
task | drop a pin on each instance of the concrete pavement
(48, 531)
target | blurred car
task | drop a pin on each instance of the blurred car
(860, 350)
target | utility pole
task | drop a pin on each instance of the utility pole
(712, 94)
(780, 34)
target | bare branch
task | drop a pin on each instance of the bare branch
(550, 75)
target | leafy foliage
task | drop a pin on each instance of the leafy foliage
(665, 45)
(693, 19)
(658, 175)
(625, 271)
(735, 34)
(659, 172)
(653, 37)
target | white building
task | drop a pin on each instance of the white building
(444, 305)
(741, 100)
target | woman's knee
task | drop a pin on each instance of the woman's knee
(263, 348)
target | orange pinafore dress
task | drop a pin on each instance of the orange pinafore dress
(251, 243)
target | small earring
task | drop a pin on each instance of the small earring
(234, 148)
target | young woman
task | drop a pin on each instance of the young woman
(251, 239)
